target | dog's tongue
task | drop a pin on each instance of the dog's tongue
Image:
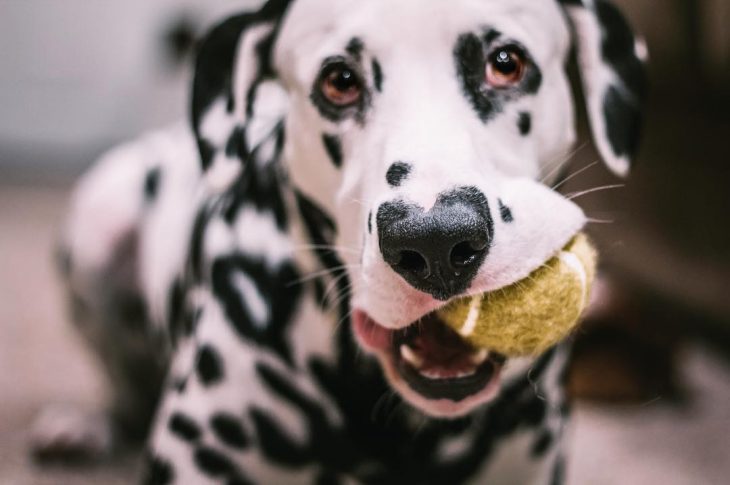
(429, 346)
(441, 350)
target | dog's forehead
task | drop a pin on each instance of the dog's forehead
(316, 28)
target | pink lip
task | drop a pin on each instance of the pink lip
(371, 335)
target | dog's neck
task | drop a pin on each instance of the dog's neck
(283, 242)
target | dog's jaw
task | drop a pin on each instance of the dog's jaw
(482, 385)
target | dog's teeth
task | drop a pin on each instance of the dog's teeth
(468, 373)
(430, 374)
(436, 375)
(478, 358)
(410, 356)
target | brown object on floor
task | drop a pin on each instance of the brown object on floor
(628, 354)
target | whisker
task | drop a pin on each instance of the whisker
(324, 272)
(600, 221)
(359, 202)
(304, 247)
(344, 293)
(573, 175)
(378, 406)
(332, 286)
(534, 384)
(397, 409)
(595, 189)
(560, 163)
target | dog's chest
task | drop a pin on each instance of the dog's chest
(330, 412)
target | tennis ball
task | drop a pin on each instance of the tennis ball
(532, 315)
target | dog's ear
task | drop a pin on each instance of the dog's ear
(237, 103)
(611, 63)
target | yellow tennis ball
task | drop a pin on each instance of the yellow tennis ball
(532, 315)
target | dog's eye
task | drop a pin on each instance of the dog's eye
(506, 67)
(340, 85)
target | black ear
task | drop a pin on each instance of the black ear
(611, 62)
(233, 74)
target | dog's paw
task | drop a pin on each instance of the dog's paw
(69, 435)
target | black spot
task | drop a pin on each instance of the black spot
(180, 37)
(623, 122)
(377, 75)
(209, 366)
(259, 186)
(236, 144)
(275, 443)
(370, 222)
(355, 48)
(197, 239)
(531, 82)
(183, 427)
(524, 123)
(618, 47)
(179, 384)
(280, 288)
(505, 212)
(622, 103)
(319, 292)
(152, 184)
(491, 35)
(397, 173)
(535, 411)
(175, 306)
(212, 462)
(190, 321)
(470, 61)
(333, 145)
(229, 430)
(239, 479)
(470, 56)
(558, 477)
(542, 444)
(207, 152)
(157, 471)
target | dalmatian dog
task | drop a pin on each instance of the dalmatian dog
(264, 284)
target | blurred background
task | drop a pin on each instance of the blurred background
(651, 369)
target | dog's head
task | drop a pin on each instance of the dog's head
(430, 132)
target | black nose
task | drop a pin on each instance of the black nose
(440, 251)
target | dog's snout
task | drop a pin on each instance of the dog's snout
(429, 251)
(440, 251)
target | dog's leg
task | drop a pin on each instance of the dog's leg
(98, 260)
(221, 418)
(113, 324)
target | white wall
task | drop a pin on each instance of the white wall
(80, 73)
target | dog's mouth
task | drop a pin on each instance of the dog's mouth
(433, 361)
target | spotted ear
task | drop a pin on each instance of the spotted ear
(237, 104)
(611, 63)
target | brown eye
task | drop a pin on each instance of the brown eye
(340, 85)
(506, 67)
